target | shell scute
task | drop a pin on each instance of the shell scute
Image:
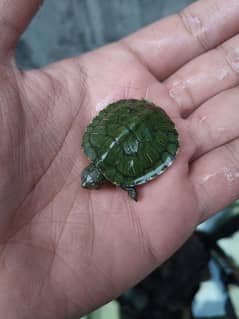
(172, 149)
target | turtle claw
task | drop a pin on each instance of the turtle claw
(132, 192)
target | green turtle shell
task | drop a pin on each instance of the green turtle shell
(131, 142)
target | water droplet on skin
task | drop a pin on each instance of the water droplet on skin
(179, 88)
(103, 103)
(222, 74)
(194, 23)
(108, 99)
(176, 91)
(229, 174)
(207, 177)
(233, 58)
(203, 118)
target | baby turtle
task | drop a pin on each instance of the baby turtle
(130, 142)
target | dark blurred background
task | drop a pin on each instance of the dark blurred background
(67, 28)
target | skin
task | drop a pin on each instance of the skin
(66, 250)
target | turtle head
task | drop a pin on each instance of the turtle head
(91, 177)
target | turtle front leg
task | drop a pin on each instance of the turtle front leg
(131, 192)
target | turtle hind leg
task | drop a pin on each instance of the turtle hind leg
(132, 192)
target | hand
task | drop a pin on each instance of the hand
(64, 249)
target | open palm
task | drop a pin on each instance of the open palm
(64, 249)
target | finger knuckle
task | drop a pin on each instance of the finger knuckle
(231, 57)
(196, 28)
(181, 93)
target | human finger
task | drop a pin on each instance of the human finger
(205, 76)
(215, 123)
(215, 177)
(167, 45)
(15, 15)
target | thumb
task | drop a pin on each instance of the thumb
(15, 15)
